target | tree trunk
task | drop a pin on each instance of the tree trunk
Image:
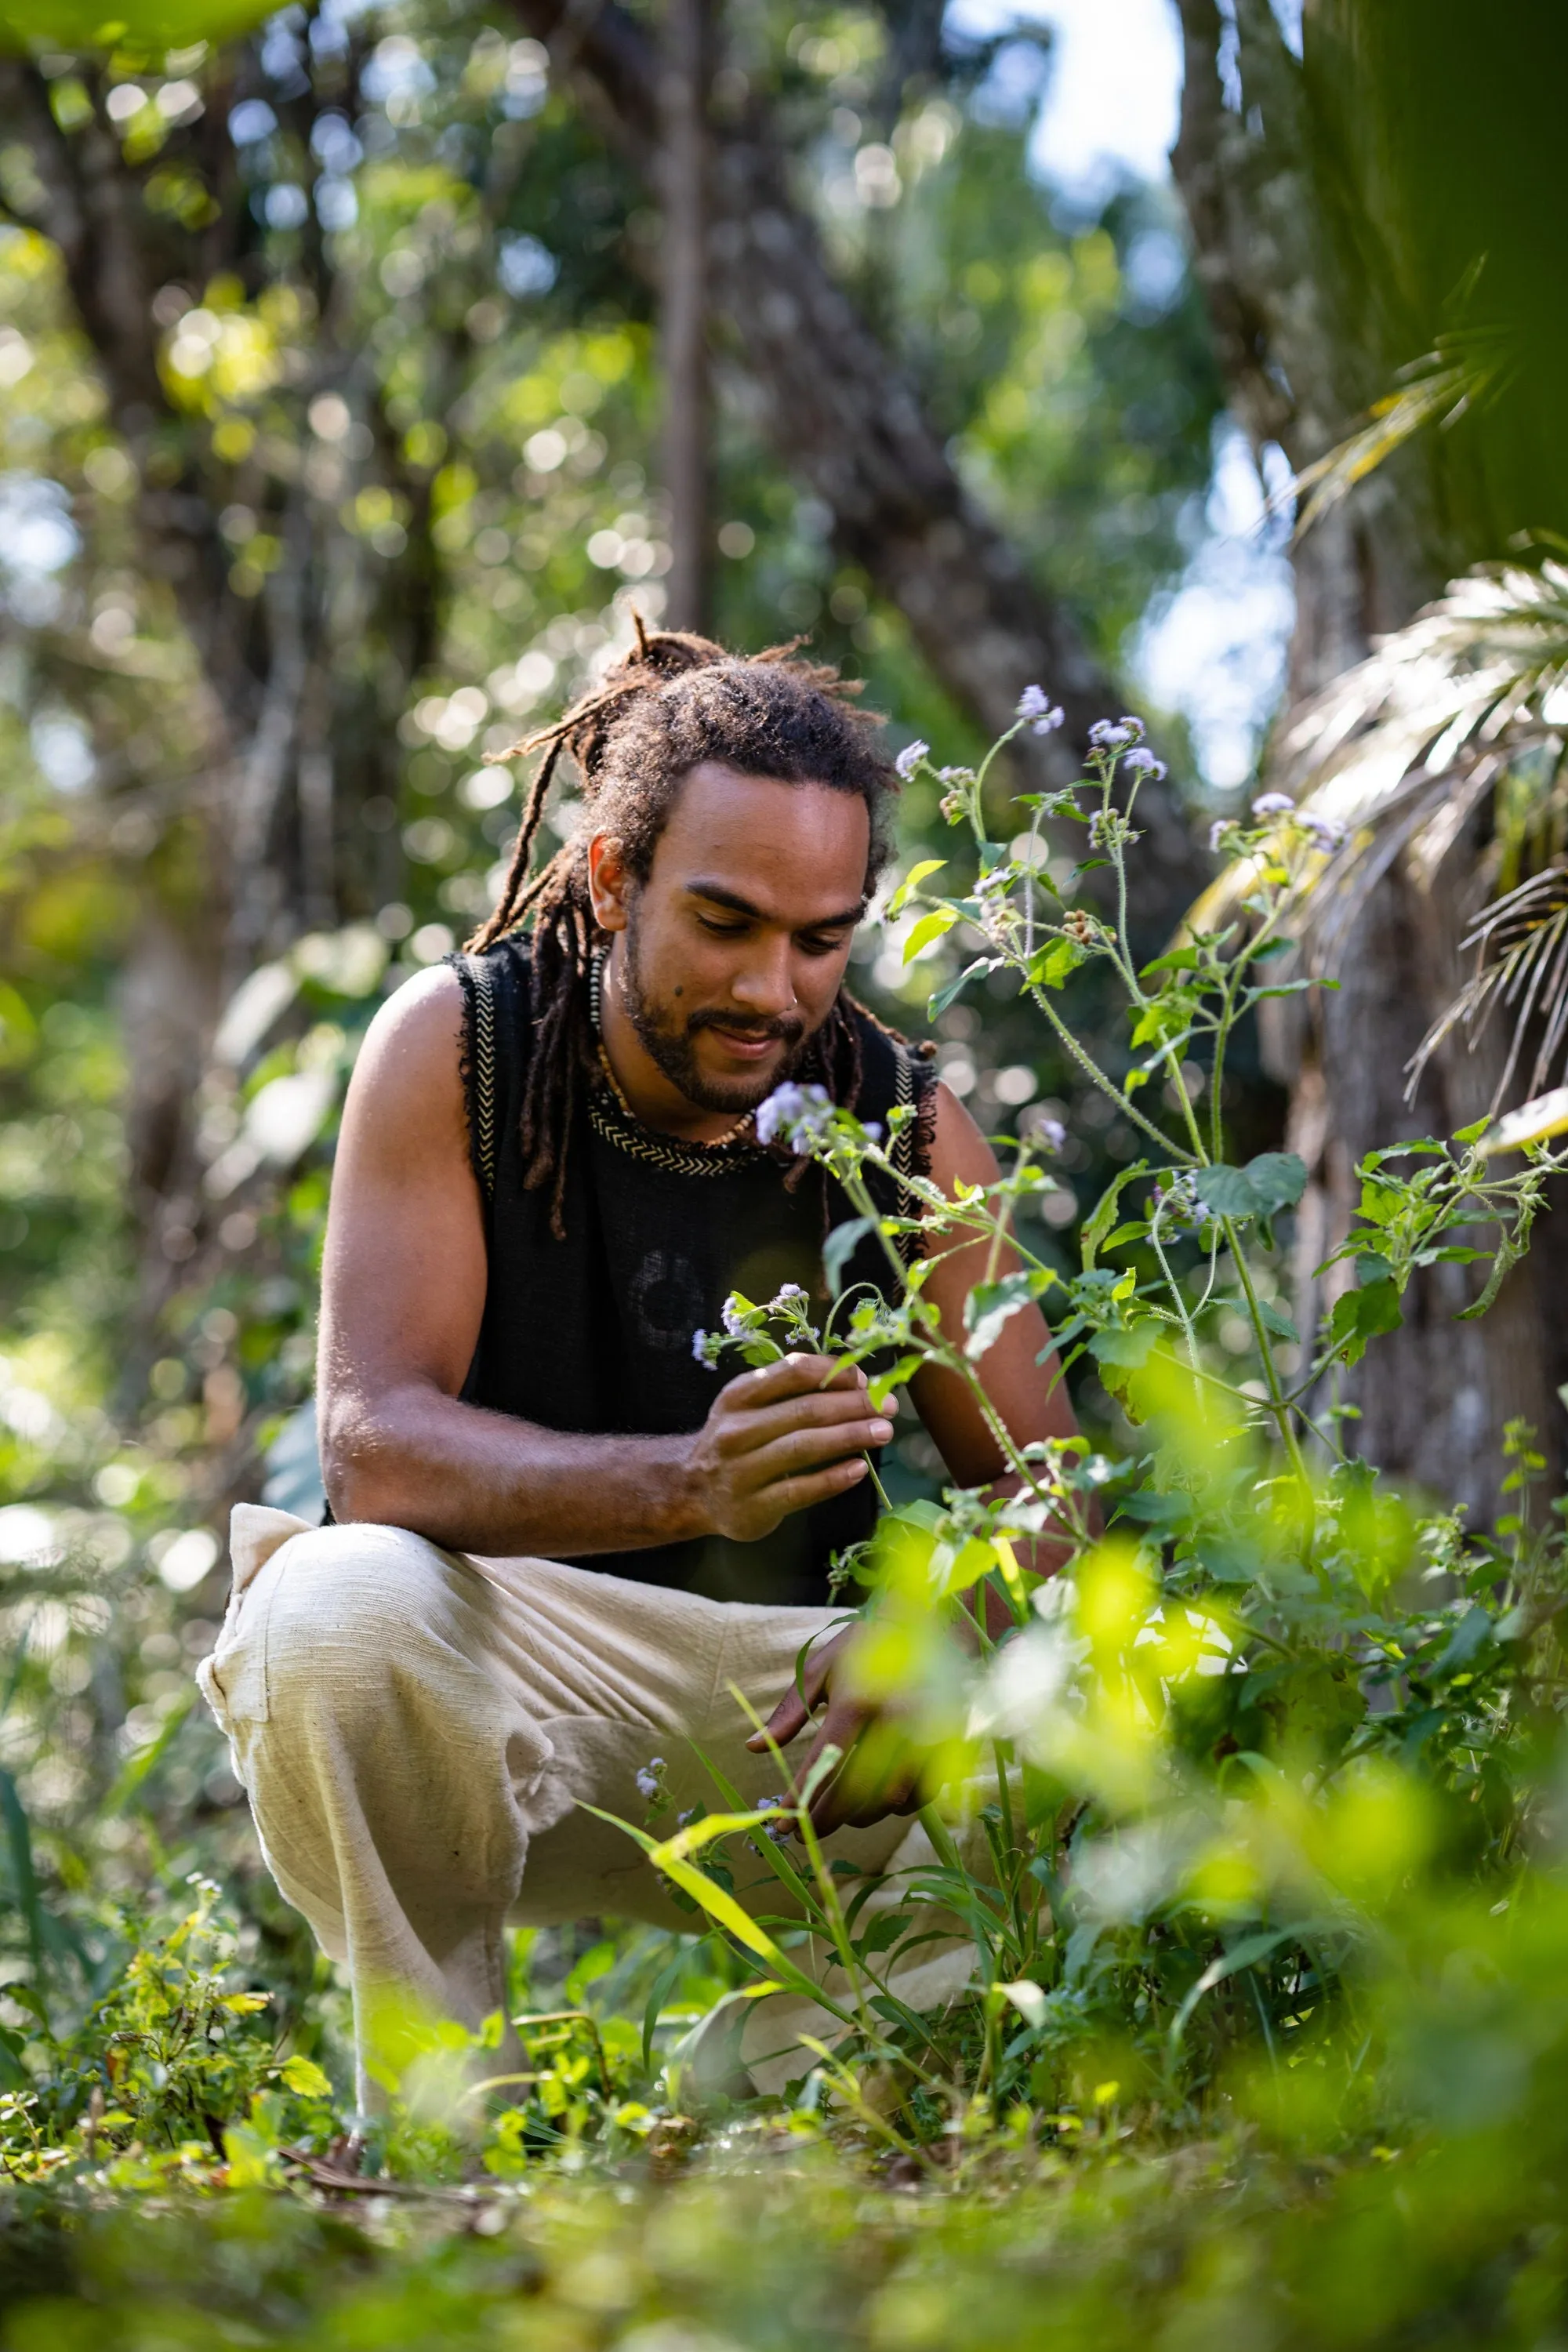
(1291, 333)
(298, 727)
(684, 284)
(848, 423)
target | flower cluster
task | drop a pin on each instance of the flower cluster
(1176, 1201)
(1109, 829)
(780, 1831)
(745, 1327)
(1043, 715)
(649, 1780)
(1047, 1134)
(1116, 734)
(1324, 833)
(794, 1114)
(909, 758)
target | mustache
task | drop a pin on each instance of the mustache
(739, 1025)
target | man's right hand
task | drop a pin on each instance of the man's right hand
(778, 1440)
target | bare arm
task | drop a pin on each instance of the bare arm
(403, 1292)
(1018, 1371)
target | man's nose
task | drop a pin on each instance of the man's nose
(764, 984)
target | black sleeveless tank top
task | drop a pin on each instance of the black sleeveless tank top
(592, 1331)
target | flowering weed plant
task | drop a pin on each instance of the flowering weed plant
(1171, 1803)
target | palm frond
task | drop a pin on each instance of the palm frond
(1438, 388)
(1521, 963)
(1468, 701)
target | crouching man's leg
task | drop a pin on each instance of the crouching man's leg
(389, 1757)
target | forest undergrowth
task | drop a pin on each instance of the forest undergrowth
(1248, 1824)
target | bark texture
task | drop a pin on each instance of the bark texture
(298, 688)
(684, 172)
(1293, 329)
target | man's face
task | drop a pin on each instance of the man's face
(736, 944)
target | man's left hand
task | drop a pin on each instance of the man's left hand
(879, 1771)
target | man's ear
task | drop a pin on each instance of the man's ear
(609, 884)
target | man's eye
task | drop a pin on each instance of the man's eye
(816, 943)
(720, 931)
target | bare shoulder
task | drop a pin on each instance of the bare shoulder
(409, 1068)
(960, 1153)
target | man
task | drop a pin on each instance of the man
(561, 1543)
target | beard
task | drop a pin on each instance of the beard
(669, 1041)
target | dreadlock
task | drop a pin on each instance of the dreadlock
(675, 701)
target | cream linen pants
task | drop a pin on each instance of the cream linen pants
(417, 1732)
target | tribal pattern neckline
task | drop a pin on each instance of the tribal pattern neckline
(614, 1122)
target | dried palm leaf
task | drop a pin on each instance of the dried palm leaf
(1468, 701)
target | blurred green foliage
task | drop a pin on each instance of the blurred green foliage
(1266, 2041)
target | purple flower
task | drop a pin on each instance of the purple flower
(1325, 833)
(779, 1831)
(1141, 762)
(910, 758)
(733, 1320)
(1220, 832)
(1036, 705)
(1049, 1134)
(1177, 1200)
(705, 1347)
(794, 1113)
(787, 1297)
(1106, 736)
(1134, 726)
(649, 1781)
(1269, 805)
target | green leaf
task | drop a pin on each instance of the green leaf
(1227, 1191)
(304, 2074)
(840, 1246)
(1360, 1316)
(931, 927)
(878, 1391)
(1127, 1348)
(1103, 1219)
(911, 882)
(1278, 1178)
(943, 997)
(1470, 1636)
(1275, 1319)
(991, 1305)
(1050, 968)
(1275, 1180)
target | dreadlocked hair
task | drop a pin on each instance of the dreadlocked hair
(675, 701)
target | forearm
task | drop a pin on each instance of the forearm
(482, 1482)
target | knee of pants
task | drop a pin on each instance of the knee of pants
(356, 1612)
